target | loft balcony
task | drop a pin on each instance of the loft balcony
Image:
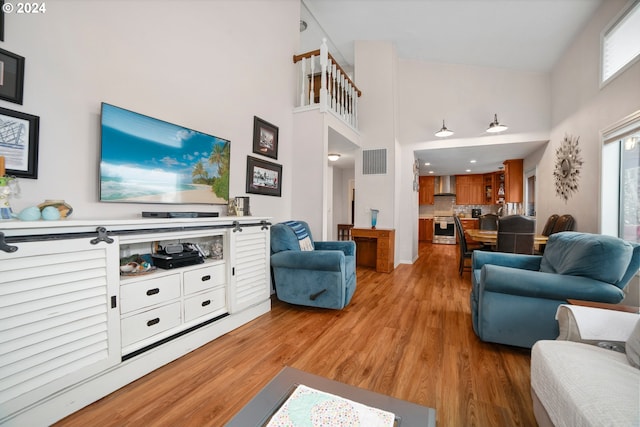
(323, 84)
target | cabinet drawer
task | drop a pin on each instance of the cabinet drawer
(204, 278)
(205, 303)
(149, 323)
(134, 296)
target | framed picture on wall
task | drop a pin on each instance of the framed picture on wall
(19, 143)
(263, 177)
(265, 138)
(11, 76)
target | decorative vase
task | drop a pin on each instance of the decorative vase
(374, 217)
(8, 186)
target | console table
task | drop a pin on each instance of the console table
(375, 247)
(75, 329)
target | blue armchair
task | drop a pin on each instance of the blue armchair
(514, 297)
(321, 275)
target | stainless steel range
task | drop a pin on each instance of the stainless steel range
(444, 229)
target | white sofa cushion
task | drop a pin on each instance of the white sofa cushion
(584, 385)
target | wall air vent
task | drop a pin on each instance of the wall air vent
(374, 161)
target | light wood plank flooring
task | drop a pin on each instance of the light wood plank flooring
(407, 334)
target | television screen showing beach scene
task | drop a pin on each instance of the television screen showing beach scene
(146, 160)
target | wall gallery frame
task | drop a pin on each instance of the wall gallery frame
(19, 143)
(265, 138)
(263, 177)
(11, 76)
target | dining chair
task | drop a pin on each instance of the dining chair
(516, 234)
(466, 250)
(551, 222)
(488, 222)
(564, 223)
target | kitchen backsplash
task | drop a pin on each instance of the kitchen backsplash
(429, 210)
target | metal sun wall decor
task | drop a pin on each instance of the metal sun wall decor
(567, 168)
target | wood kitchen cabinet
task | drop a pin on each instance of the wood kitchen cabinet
(425, 229)
(489, 188)
(513, 178)
(468, 224)
(470, 189)
(427, 188)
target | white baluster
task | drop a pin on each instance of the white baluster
(329, 82)
(342, 98)
(324, 57)
(334, 99)
(311, 81)
(303, 68)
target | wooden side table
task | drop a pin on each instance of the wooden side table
(375, 247)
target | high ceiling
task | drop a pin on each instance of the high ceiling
(514, 34)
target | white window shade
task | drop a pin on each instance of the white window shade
(621, 43)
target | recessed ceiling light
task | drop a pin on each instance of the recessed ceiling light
(468, 170)
(472, 161)
(427, 164)
(431, 172)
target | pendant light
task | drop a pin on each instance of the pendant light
(444, 132)
(495, 127)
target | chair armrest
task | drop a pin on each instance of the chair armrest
(309, 260)
(538, 284)
(346, 246)
(528, 262)
(590, 324)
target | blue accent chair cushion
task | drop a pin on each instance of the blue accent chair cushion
(324, 277)
(514, 297)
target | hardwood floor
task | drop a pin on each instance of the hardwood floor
(407, 334)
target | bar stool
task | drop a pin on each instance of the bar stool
(344, 231)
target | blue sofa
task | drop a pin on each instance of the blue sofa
(514, 297)
(324, 275)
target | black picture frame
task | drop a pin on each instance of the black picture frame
(263, 177)
(11, 76)
(20, 145)
(265, 138)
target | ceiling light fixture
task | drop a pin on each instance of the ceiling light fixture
(444, 132)
(495, 127)
(333, 156)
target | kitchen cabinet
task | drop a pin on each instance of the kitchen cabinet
(489, 188)
(425, 229)
(513, 178)
(470, 189)
(427, 188)
(468, 224)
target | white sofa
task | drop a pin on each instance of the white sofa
(578, 380)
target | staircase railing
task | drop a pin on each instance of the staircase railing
(322, 82)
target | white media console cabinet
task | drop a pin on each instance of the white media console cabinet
(74, 329)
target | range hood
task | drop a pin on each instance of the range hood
(445, 185)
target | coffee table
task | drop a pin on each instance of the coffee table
(268, 400)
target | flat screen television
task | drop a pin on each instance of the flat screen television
(147, 160)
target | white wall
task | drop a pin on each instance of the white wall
(581, 108)
(207, 65)
(375, 77)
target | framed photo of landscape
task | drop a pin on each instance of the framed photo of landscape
(263, 177)
(19, 143)
(265, 138)
(11, 76)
